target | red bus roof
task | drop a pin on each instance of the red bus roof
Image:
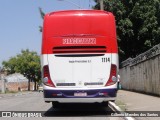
(76, 23)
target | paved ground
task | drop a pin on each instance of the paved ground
(33, 101)
(132, 101)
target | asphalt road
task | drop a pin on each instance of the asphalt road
(33, 101)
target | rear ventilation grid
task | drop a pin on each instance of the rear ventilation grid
(79, 49)
(66, 84)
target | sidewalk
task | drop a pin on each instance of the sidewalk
(4, 95)
(132, 101)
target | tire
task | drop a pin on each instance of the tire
(55, 104)
(105, 103)
(112, 100)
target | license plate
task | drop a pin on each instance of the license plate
(80, 94)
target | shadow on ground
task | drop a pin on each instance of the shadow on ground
(75, 110)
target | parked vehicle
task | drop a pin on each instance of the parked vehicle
(79, 57)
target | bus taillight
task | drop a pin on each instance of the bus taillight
(113, 75)
(46, 77)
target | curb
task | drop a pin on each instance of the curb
(118, 110)
(13, 94)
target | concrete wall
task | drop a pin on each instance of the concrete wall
(143, 72)
(22, 86)
(16, 86)
(14, 82)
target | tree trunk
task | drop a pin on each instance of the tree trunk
(35, 85)
(28, 84)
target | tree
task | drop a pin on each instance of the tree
(26, 63)
(138, 24)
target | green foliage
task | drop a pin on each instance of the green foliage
(138, 24)
(26, 63)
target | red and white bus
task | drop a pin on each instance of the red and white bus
(79, 57)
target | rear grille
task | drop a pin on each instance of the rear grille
(93, 83)
(79, 49)
(78, 55)
(66, 84)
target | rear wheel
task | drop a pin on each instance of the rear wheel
(55, 104)
(105, 103)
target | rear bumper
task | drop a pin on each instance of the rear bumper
(78, 100)
(67, 96)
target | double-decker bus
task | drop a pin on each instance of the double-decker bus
(79, 57)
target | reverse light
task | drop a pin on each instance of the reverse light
(46, 77)
(112, 79)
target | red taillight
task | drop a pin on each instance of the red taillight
(113, 75)
(46, 77)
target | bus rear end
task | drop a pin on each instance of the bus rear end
(79, 57)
